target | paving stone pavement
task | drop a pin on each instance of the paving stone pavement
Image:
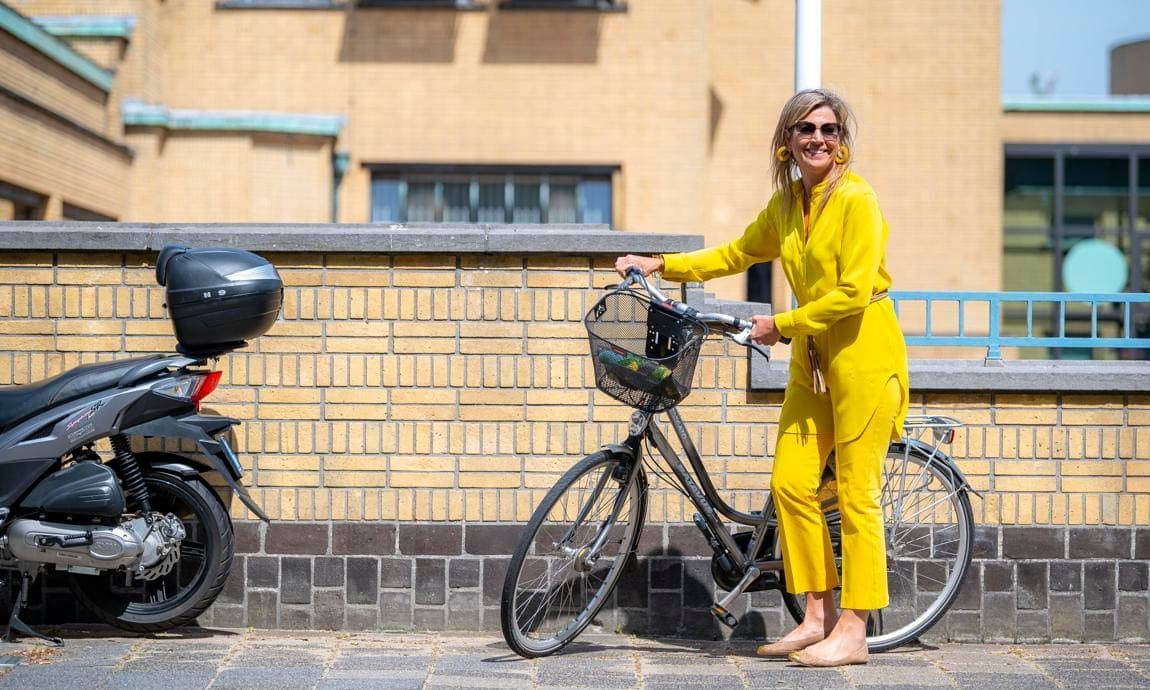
(216, 658)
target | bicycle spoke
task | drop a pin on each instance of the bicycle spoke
(941, 500)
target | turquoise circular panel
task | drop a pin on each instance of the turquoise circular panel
(1095, 266)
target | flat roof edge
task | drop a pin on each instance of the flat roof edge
(139, 113)
(1105, 104)
(88, 26)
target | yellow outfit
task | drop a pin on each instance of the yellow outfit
(835, 270)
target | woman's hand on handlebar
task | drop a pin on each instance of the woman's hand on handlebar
(646, 264)
(764, 331)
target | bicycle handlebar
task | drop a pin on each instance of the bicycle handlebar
(743, 326)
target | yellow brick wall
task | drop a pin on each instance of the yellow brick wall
(33, 75)
(439, 387)
(105, 52)
(924, 80)
(472, 87)
(41, 155)
(215, 177)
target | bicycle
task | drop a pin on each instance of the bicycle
(576, 544)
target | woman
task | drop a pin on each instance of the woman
(847, 391)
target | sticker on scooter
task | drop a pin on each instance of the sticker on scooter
(84, 416)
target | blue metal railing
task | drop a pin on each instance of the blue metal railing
(1122, 308)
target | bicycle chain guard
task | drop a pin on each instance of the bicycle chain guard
(727, 577)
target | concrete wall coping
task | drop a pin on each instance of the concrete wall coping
(1021, 376)
(429, 238)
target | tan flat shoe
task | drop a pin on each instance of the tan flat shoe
(806, 658)
(781, 649)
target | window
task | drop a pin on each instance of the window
(490, 194)
(1055, 196)
(17, 203)
(1028, 211)
(72, 212)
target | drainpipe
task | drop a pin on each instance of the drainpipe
(808, 44)
(339, 163)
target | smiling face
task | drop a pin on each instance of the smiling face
(811, 148)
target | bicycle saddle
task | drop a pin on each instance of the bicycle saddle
(18, 403)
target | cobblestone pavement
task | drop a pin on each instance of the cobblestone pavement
(204, 658)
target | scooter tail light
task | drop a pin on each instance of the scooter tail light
(207, 386)
(193, 387)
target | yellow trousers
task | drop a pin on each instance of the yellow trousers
(806, 439)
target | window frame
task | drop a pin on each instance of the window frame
(510, 176)
(1059, 230)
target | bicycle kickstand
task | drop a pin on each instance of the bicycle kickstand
(15, 625)
(720, 608)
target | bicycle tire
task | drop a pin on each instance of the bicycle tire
(906, 590)
(521, 625)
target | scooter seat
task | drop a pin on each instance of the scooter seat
(18, 403)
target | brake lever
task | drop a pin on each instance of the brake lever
(743, 337)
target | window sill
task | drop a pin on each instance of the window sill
(279, 4)
(457, 5)
(574, 6)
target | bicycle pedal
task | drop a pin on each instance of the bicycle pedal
(725, 617)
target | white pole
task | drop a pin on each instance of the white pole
(808, 44)
(808, 75)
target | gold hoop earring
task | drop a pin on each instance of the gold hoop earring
(842, 155)
(782, 154)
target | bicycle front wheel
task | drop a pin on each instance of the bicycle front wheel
(572, 553)
(929, 528)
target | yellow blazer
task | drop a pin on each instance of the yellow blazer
(834, 273)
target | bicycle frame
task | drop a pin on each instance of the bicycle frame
(702, 492)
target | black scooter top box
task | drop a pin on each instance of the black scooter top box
(218, 299)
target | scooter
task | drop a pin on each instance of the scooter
(146, 541)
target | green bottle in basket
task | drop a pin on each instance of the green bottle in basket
(641, 365)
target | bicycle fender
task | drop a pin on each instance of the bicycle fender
(946, 463)
(196, 427)
(618, 449)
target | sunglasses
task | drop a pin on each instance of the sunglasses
(830, 130)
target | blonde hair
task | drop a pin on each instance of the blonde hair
(799, 106)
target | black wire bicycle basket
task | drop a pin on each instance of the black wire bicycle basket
(644, 354)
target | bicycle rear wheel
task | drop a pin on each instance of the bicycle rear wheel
(929, 544)
(572, 553)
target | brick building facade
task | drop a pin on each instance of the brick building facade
(673, 101)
